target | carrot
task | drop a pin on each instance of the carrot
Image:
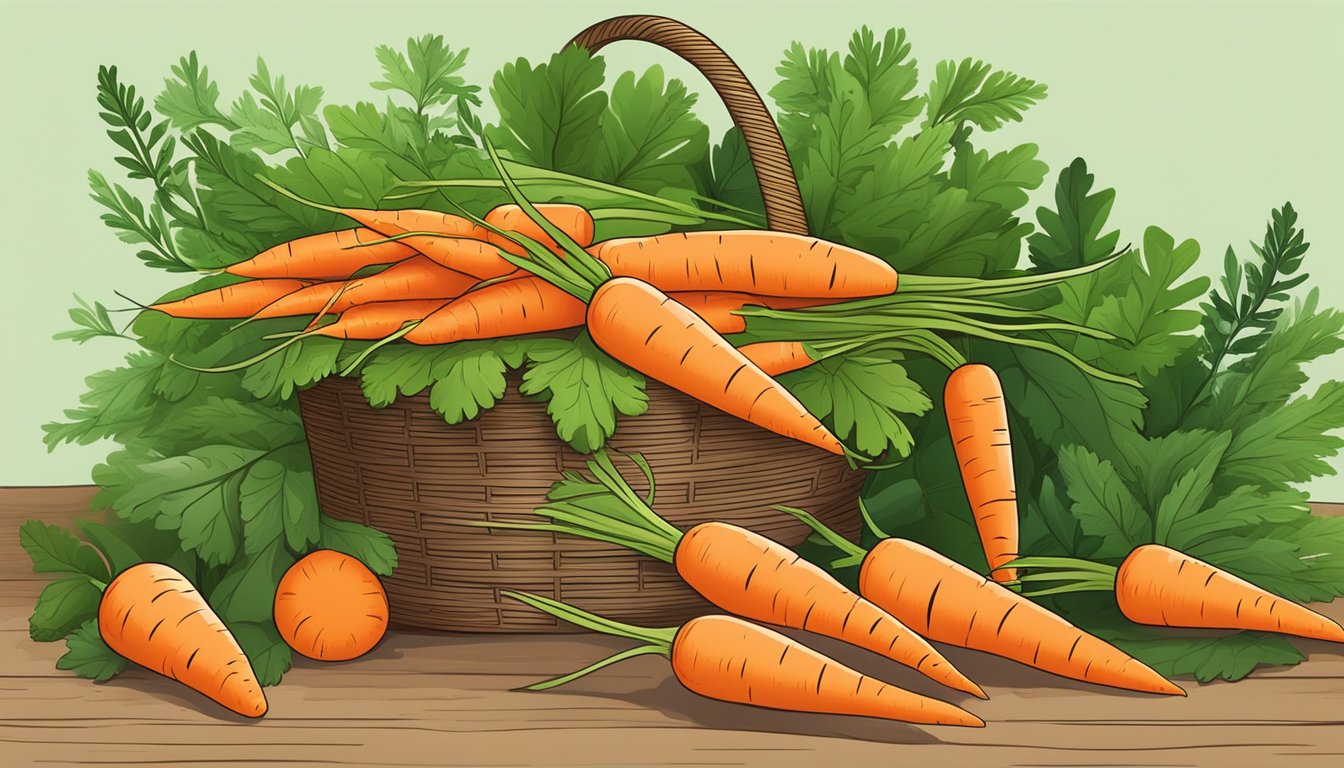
(735, 569)
(379, 319)
(450, 240)
(947, 602)
(510, 308)
(329, 606)
(418, 277)
(326, 256)
(642, 327)
(728, 659)
(237, 300)
(153, 616)
(1161, 586)
(719, 308)
(573, 220)
(777, 357)
(977, 419)
(748, 261)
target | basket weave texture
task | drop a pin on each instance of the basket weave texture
(403, 470)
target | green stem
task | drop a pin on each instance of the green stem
(642, 650)
(405, 329)
(971, 286)
(834, 539)
(659, 636)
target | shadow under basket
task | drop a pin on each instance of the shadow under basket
(403, 470)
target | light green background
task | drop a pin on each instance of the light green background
(1203, 115)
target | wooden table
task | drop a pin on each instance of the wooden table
(445, 700)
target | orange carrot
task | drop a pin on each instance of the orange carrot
(326, 256)
(947, 602)
(1158, 585)
(329, 606)
(642, 327)
(154, 617)
(747, 574)
(435, 233)
(728, 659)
(748, 261)
(977, 419)
(573, 220)
(237, 300)
(379, 319)
(777, 357)
(510, 308)
(415, 278)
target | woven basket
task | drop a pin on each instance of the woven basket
(403, 470)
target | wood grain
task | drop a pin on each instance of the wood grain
(424, 699)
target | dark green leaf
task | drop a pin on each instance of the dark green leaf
(371, 547)
(62, 607)
(54, 549)
(551, 114)
(88, 656)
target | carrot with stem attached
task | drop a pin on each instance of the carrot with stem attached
(728, 659)
(231, 301)
(1160, 586)
(949, 603)
(735, 569)
(642, 327)
(509, 308)
(757, 262)
(325, 256)
(977, 419)
(415, 278)
(152, 615)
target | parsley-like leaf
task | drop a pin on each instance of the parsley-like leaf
(118, 403)
(972, 91)
(1104, 506)
(54, 549)
(93, 322)
(551, 114)
(650, 137)
(277, 498)
(190, 98)
(368, 545)
(62, 607)
(88, 656)
(864, 398)
(585, 390)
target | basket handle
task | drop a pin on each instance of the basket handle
(774, 172)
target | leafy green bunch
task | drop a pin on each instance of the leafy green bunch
(1207, 458)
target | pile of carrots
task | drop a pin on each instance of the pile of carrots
(907, 595)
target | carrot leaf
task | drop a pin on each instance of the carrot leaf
(54, 549)
(370, 546)
(863, 399)
(584, 390)
(551, 114)
(62, 607)
(88, 656)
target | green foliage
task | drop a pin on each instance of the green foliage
(584, 390)
(88, 656)
(54, 550)
(861, 399)
(93, 322)
(650, 137)
(971, 91)
(551, 114)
